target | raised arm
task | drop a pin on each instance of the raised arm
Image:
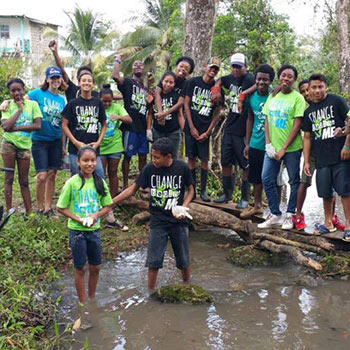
(116, 76)
(59, 63)
(8, 124)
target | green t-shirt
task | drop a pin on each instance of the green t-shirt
(82, 202)
(281, 111)
(112, 142)
(21, 139)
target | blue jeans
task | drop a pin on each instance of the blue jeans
(74, 168)
(269, 175)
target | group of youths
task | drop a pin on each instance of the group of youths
(262, 134)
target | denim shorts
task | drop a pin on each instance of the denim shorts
(157, 243)
(85, 244)
(47, 155)
(117, 155)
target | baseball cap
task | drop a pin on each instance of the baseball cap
(238, 59)
(53, 72)
(214, 62)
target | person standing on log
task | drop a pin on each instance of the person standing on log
(135, 102)
(233, 143)
(305, 181)
(201, 116)
(327, 113)
(255, 135)
(167, 179)
(284, 114)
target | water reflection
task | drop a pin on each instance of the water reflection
(259, 308)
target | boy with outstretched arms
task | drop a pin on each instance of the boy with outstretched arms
(326, 114)
(201, 117)
(233, 143)
(167, 180)
(135, 102)
(255, 135)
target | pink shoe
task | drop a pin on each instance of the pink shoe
(336, 223)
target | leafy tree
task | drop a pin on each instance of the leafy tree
(88, 35)
(254, 28)
(156, 40)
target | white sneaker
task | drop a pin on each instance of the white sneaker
(110, 217)
(271, 221)
(288, 222)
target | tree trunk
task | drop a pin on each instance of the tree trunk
(342, 10)
(199, 31)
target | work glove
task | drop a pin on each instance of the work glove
(87, 221)
(149, 135)
(215, 95)
(270, 150)
(181, 212)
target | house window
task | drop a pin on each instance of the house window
(4, 31)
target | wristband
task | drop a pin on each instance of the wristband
(347, 148)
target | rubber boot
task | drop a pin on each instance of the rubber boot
(193, 172)
(245, 189)
(204, 178)
(228, 190)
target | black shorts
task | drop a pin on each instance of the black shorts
(256, 162)
(196, 149)
(232, 148)
(335, 176)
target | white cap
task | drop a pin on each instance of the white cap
(238, 59)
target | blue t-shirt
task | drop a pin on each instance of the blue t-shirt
(255, 104)
(51, 106)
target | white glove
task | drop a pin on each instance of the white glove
(270, 150)
(181, 212)
(149, 135)
(87, 221)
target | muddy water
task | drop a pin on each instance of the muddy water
(256, 308)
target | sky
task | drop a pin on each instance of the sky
(301, 13)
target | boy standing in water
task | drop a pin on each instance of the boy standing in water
(167, 179)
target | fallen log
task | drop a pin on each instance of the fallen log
(280, 240)
(141, 218)
(295, 253)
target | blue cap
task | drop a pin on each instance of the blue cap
(53, 72)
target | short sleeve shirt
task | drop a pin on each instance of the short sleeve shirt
(255, 104)
(51, 107)
(82, 201)
(281, 111)
(112, 142)
(31, 111)
(85, 119)
(134, 96)
(321, 119)
(236, 122)
(167, 187)
(201, 107)
(171, 121)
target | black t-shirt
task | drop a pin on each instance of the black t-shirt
(201, 107)
(85, 117)
(134, 96)
(235, 122)
(320, 119)
(171, 121)
(73, 91)
(167, 187)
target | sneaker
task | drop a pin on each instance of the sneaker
(271, 221)
(336, 223)
(299, 221)
(115, 224)
(288, 222)
(248, 212)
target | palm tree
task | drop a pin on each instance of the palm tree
(87, 36)
(152, 42)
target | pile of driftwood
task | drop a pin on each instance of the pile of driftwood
(292, 243)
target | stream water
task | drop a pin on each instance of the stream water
(254, 308)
